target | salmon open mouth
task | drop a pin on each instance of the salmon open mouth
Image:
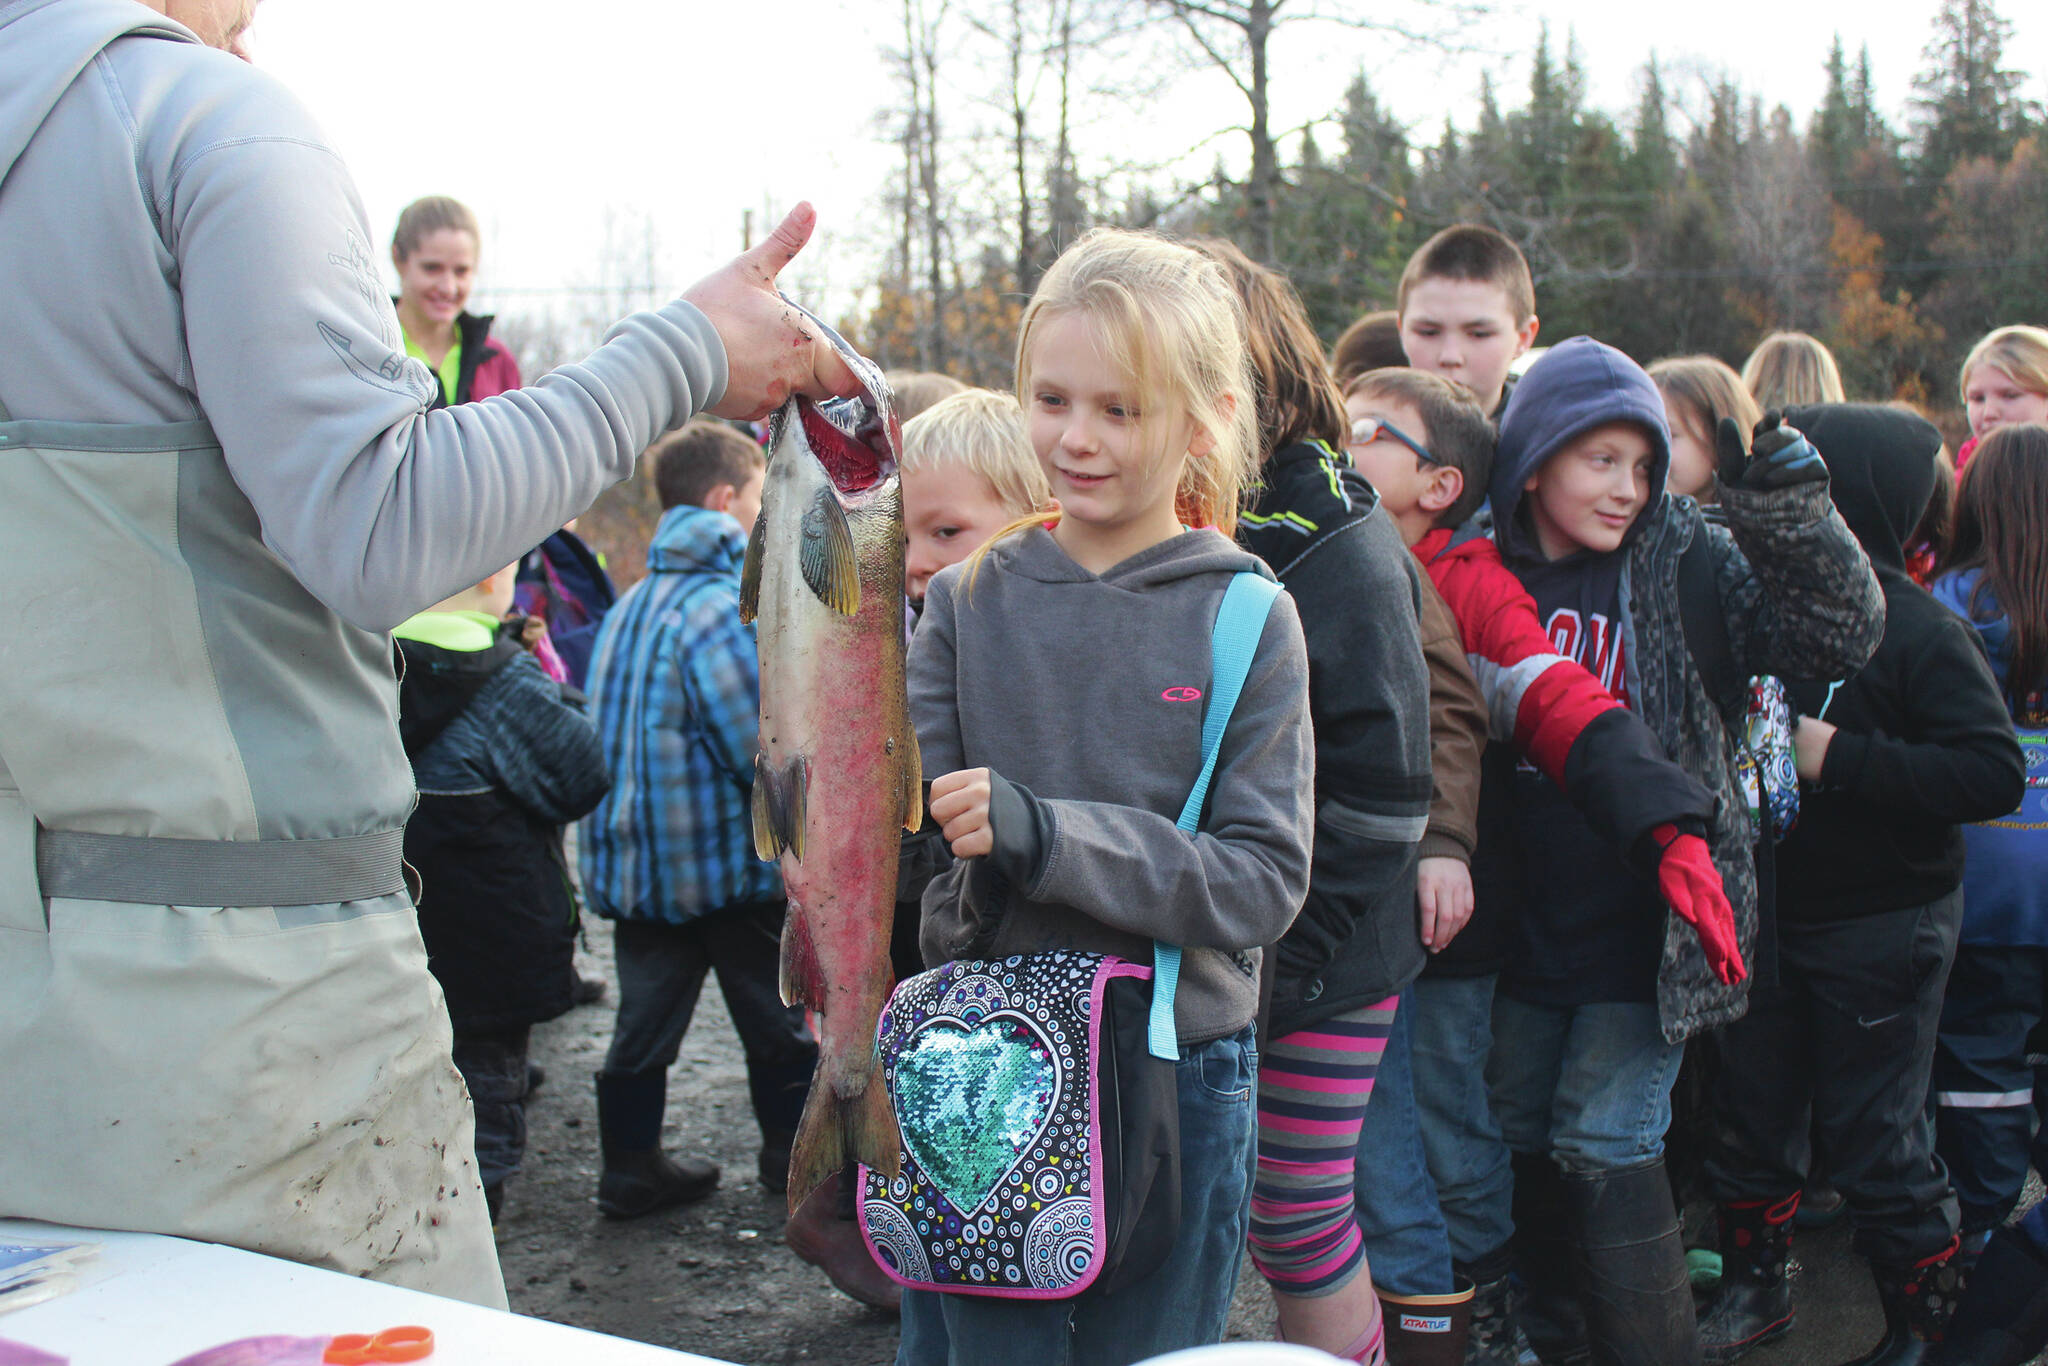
(850, 440)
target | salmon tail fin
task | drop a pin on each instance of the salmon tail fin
(837, 1130)
(769, 820)
(827, 558)
(802, 977)
(913, 785)
(750, 570)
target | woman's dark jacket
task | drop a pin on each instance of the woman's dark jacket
(1318, 525)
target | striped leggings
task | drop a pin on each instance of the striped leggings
(1313, 1087)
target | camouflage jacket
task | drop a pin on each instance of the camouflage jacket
(1799, 600)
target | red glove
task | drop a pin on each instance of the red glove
(1692, 886)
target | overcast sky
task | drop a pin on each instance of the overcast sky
(554, 120)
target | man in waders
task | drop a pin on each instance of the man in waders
(219, 487)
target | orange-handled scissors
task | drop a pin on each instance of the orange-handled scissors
(393, 1344)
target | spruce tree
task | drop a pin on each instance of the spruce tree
(1969, 102)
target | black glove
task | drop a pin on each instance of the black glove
(1778, 456)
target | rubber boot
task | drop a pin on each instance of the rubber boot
(1631, 1252)
(1754, 1304)
(1919, 1298)
(1546, 1302)
(1496, 1338)
(1428, 1330)
(778, 1091)
(774, 1161)
(2003, 1319)
(638, 1177)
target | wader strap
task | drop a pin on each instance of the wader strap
(171, 872)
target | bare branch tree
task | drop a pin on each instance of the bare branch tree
(1235, 38)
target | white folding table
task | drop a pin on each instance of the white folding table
(148, 1300)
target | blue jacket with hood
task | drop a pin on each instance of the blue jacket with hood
(1796, 594)
(2005, 874)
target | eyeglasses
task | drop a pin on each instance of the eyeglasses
(1366, 430)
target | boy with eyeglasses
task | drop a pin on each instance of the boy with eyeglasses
(1426, 445)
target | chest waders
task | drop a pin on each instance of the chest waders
(216, 1019)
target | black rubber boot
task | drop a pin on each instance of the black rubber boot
(1496, 1338)
(1754, 1303)
(1919, 1299)
(2003, 1319)
(774, 1162)
(1546, 1302)
(638, 1177)
(778, 1091)
(1637, 1298)
(1428, 1330)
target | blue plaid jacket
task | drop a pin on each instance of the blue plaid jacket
(675, 687)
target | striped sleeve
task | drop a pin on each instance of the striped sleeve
(1537, 700)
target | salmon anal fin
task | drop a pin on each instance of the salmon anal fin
(913, 783)
(769, 822)
(750, 570)
(802, 976)
(839, 1129)
(826, 557)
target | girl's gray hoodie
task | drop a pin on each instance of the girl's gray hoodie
(1085, 695)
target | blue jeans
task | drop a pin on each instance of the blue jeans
(1590, 1085)
(1185, 1302)
(1405, 1245)
(1468, 1159)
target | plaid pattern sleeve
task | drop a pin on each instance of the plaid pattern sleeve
(676, 686)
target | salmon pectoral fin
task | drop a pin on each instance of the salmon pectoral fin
(839, 1129)
(769, 822)
(913, 785)
(750, 570)
(802, 976)
(827, 557)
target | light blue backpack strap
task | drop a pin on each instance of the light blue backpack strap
(1240, 623)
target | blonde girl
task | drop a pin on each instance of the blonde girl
(1056, 679)
(1789, 369)
(2004, 380)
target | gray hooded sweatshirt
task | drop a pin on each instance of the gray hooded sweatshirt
(1085, 695)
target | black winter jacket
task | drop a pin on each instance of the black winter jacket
(1317, 524)
(1925, 741)
(503, 758)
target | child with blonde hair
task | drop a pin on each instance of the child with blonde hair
(2004, 380)
(1057, 679)
(1792, 367)
(967, 471)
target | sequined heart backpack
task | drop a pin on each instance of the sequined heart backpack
(1036, 1094)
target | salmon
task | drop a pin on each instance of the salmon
(837, 778)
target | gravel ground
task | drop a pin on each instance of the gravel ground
(715, 1279)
